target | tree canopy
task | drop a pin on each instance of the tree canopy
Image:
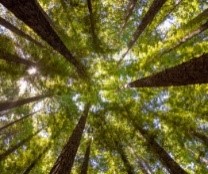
(110, 86)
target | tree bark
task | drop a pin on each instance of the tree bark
(194, 71)
(163, 156)
(36, 160)
(143, 166)
(8, 57)
(85, 163)
(13, 104)
(16, 121)
(64, 163)
(19, 32)
(127, 164)
(15, 147)
(147, 19)
(33, 15)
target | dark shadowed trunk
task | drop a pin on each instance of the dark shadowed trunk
(35, 161)
(95, 39)
(16, 121)
(15, 147)
(19, 32)
(92, 25)
(33, 15)
(124, 158)
(147, 19)
(8, 57)
(194, 71)
(13, 104)
(64, 163)
(85, 163)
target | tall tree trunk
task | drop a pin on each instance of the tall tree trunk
(127, 164)
(19, 32)
(201, 137)
(15, 59)
(85, 163)
(172, 166)
(36, 160)
(189, 36)
(64, 163)
(18, 120)
(143, 166)
(95, 39)
(147, 19)
(92, 25)
(33, 15)
(130, 8)
(194, 71)
(163, 156)
(15, 147)
(13, 104)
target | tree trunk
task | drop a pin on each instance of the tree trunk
(194, 71)
(16, 121)
(163, 156)
(199, 30)
(17, 31)
(85, 163)
(143, 166)
(15, 59)
(148, 18)
(127, 164)
(36, 160)
(15, 147)
(33, 15)
(172, 166)
(13, 104)
(64, 163)
(200, 136)
(129, 12)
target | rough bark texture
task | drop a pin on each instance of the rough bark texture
(64, 163)
(19, 32)
(12, 104)
(33, 15)
(85, 163)
(194, 71)
(15, 147)
(148, 18)
(15, 59)
(36, 160)
(16, 121)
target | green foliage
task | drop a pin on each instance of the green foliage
(170, 115)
